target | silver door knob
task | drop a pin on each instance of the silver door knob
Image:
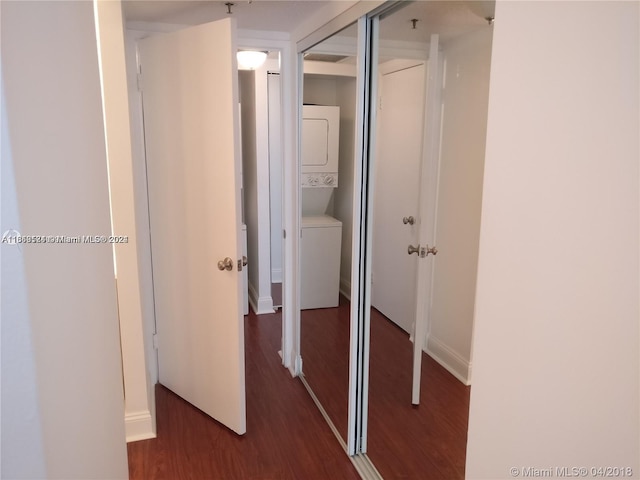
(432, 250)
(410, 220)
(226, 264)
(411, 249)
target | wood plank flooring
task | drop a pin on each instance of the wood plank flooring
(324, 345)
(405, 442)
(286, 437)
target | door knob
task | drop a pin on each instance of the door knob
(226, 264)
(432, 250)
(411, 249)
(410, 220)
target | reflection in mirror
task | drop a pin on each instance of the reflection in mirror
(327, 156)
(432, 88)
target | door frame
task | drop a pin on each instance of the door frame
(271, 41)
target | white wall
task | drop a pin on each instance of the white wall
(319, 90)
(343, 199)
(139, 392)
(464, 126)
(556, 342)
(21, 445)
(65, 299)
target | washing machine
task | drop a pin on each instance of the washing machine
(320, 261)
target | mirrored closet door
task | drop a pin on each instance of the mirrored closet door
(430, 74)
(388, 359)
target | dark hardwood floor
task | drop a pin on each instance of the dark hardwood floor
(286, 437)
(405, 442)
(324, 345)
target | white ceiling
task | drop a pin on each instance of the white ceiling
(282, 15)
(449, 18)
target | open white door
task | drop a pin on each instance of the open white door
(190, 100)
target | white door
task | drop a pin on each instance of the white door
(190, 98)
(397, 185)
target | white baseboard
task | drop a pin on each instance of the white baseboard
(276, 275)
(260, 305)
(345, 287)
(139, 426)
(449, 359)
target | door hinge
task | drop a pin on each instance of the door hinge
(139, 81)
(154, 339)
(422, 251)
(426, 250)
(242, 263)
(298, 364)
(284, 234)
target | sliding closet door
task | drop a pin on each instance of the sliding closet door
(331, 334)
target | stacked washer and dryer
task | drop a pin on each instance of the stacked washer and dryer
(321, 233)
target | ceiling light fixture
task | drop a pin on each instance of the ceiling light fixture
(250, 59)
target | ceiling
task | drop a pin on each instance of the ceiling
(449, 18)
(283, 15)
